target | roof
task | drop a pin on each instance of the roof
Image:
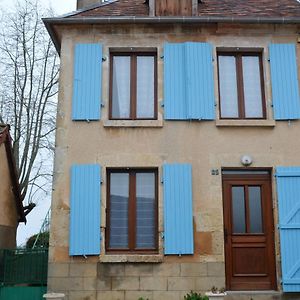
(209, 11)
(206, 8)
(5, 138)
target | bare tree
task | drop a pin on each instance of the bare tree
(28, 88)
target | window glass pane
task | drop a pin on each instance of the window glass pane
(119, 196)
(145, 87)
(252, 87)
(228, 87)
(238, 209)
(145, 206)
(255, 209)
(121, 87)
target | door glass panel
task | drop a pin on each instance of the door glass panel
(238, 209)
(255, 209)
(145, 210)
(119, 197)
(228, 87)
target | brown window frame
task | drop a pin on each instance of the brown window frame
(133, 53)
(238, 53)
(131, 212)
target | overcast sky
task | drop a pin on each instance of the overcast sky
(36, 217)
(59, 6)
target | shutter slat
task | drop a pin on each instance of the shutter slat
(85, 211)
(87, 82)
(174, 82)
(178, 209)
(189, 82)
(288, 192)
(285, 84)
(200, 81)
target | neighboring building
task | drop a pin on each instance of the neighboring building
(11, 207)
(177, 161)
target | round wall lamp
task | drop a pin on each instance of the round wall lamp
(246, 160)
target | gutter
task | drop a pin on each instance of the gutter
(50, 22)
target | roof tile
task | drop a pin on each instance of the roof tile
(208, 8)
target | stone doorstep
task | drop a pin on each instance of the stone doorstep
(261, 295)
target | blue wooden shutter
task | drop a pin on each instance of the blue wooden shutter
(178, 209)
(288, 193)
(200, 81)
(85, 211)
(285, 85)
(87, 82)
(174, 82)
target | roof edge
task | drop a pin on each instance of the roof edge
(50, 22)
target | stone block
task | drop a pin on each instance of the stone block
(153, 283)
(105, 270)
(82, 295)
(111, 295)
(216, 269)
(193, 269)
(181, 283)
(125, 283)
(166, 295)
(135, 295)
(138, 270)
(65, 284)
(89, 283)
(103, 284)
(166, 269)
(83, 270)
(206, 283)
(203, 243)
(58, 270)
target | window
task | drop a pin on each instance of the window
(132, 211)
(241, 85)
(133, 85)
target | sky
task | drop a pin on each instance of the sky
(37, 216)
(59, 6)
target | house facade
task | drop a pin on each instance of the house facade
(177, 150)
(11, 207)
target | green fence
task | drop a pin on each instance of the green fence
(23, 274)
(22, 292)
(25, 266)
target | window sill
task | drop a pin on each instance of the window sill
(134, 258)
(245, 123)
(133, 123)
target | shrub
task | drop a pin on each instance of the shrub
(195, 296)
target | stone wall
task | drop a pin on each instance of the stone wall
(129, 281)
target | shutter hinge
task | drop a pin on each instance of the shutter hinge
(162, 103)
(104, 58)
(269, 59)
(87, 120)
(162, 56)
(162, 235)
(102, 104)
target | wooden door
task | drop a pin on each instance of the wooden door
(248, 231)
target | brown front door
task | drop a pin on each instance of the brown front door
(248, 230)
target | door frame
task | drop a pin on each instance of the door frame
(240, 176)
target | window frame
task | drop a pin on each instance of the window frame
(131, 212)
(238, 53)
(133, 53)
